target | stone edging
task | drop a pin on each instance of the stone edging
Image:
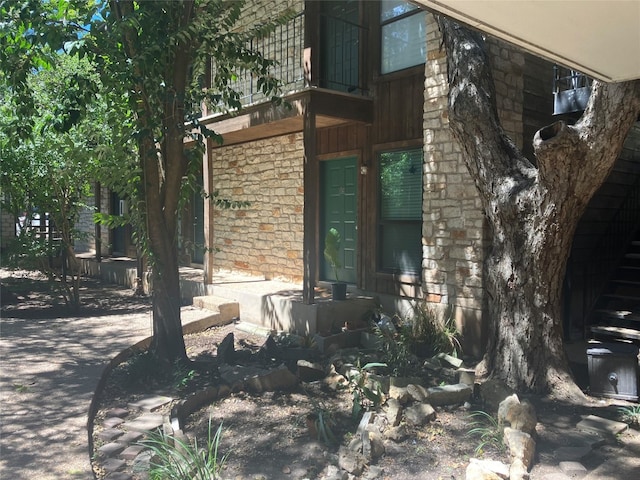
(194, 326)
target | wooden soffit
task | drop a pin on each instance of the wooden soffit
(267, 120)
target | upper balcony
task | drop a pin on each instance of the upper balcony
(319, 63)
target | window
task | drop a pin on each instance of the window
(400, 211)
(403, 35)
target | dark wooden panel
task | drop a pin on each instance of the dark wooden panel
(398, 107)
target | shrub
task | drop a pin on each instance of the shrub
(175, 459)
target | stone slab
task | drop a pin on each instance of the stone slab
(593, 423)
(109, 434)
(110, 449)
(145, 423)
(131, 452)
(152, 403)
(113, 465)
(111, 422)
(573, 469)
(569, 454)
(130, 437)
(118, 412)
(118, 476)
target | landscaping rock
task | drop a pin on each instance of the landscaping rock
(449, 394)
(226, 350)
(478, 471)
(486, 470)
(492, 392)
(276, 379)
(518, 470)
(351, 461)
(521, 446)
(419, 414)
(417, 392)
(396, 434)
(309, 371)
(393, 412)
(520, 415)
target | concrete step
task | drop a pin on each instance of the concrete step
(228, 309)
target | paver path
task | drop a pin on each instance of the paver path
(48, 372)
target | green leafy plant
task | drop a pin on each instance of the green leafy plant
(182, 376)
(430, 332)
(173, 458)
(332, 250)
(630, 415)
(396, 348)
(321, 423)
(367, 393)
(489, 433)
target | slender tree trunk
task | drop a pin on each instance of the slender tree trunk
(532, 210)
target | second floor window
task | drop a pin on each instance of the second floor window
(403, 35)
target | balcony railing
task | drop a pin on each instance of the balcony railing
(286, 46)
(571, 90)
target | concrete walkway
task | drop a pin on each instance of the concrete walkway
(49, 369)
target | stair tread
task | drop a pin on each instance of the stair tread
(621, 314)
(620, 332)
(626, 282)
(617, 296)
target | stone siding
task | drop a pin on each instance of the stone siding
(266, 238)
(87, 241)
(454, 234)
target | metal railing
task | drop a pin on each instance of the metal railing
(608, 252)
(286, 46)
(340, 55)
(571, 90)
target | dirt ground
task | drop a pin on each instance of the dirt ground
(266, 436)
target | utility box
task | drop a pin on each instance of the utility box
(613, 370)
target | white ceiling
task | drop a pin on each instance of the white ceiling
(600, 38)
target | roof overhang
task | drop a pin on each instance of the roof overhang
(600, 38)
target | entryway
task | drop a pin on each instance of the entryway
(339, 204)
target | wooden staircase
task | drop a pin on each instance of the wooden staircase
(617, 312)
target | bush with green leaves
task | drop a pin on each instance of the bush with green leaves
(367, 392)
(630, 415)
(487, 430)
(430, 332)
(176, 459)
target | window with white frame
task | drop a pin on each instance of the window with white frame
(403, 35)
(400, 211)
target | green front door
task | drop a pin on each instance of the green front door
(339, 182)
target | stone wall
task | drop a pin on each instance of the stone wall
(87, 242)
(454, 234)
(264, 239)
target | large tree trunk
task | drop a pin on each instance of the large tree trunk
(163, 165)
(532, 210)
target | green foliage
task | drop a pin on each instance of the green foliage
(430, 331)
(367, 392)
(332, 250)
(182, 376)
(630, 415)
(488, 432)
(397, 344)
(177, 459)
(152, 58)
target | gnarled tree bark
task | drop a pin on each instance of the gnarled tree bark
(532, 210)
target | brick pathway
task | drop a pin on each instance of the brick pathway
(49, 370)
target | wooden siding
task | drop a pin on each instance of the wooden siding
(398, 101)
